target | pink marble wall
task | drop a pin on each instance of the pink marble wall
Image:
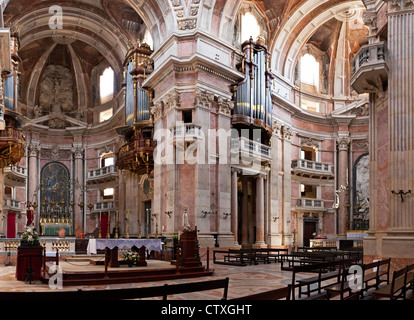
(382, 209)
(328, 151)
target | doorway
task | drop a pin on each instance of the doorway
(309, 227)
(104, 224)
(11, 225)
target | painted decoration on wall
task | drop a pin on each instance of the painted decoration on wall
(55, 183)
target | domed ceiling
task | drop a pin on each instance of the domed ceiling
(93, 33)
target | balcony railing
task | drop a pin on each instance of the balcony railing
(15, 176)
(102, 172)
(310, 203)
(11, 204)
(107, 205)
(369, 63)
(252, 148)
(312, 169)
(188, 132)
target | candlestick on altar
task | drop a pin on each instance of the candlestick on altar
(148, 222)
(100, 224)
(127, 225)
(156, 231)
(139, 229)
(109, 226)
(116, 224)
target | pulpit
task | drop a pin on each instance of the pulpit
(29, 260)
(189, 249)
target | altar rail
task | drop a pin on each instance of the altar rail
(65, 246)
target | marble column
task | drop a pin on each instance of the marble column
(245, 222)
(234, 206)
(343, 218)
(259, 211)
(78, 224)
(401, 111)
(33, 153)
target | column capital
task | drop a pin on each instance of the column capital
(225, 106)
(287, 133)
(400, 6)
(237, 170)
(78, 151)
(343, 143)
(277, 128)
(33, 149)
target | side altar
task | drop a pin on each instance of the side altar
(114, 244)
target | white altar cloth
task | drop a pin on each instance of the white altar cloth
(100, 244)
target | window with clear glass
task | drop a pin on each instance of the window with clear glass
(309, 70)
(106, 85)
(249, 27)
(105, 115)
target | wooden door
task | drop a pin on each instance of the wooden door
(104, 224)
(11, 225)
(309, 227)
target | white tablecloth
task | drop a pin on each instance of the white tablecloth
(100, 244)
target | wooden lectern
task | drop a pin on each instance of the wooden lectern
(190, 256)
(29, 262)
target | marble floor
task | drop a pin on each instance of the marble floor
(242, 281)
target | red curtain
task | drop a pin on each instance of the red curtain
(11, 225)
(104, 225)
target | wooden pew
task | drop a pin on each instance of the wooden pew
(120, 294)
(170, 289)
(324, 273)
(375, 271)
(277, 294)
(304, 258)
(370, 272)
(395, 289)
(230, 257)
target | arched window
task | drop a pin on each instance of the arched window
(107, 159)
(309, 70)
(148, 39)
(249, 27)
(106, 85)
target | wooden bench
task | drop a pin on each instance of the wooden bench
(325, 271)
(230, 257)
(375, 271)
(303, 258)
(395, 289)
(277, 294)
(121, 294)
(370, 272)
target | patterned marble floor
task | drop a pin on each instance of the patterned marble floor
(243, 281)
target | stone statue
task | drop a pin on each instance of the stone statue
(185, 220)
(56, 93)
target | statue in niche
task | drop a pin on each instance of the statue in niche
(362, 182)
(56, 93)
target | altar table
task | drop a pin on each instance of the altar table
(114, 244)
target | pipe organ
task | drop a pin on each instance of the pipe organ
(12, 141)
(252, 96)
(136, 154)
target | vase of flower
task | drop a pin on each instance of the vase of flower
(131, 258)
(30, 237)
